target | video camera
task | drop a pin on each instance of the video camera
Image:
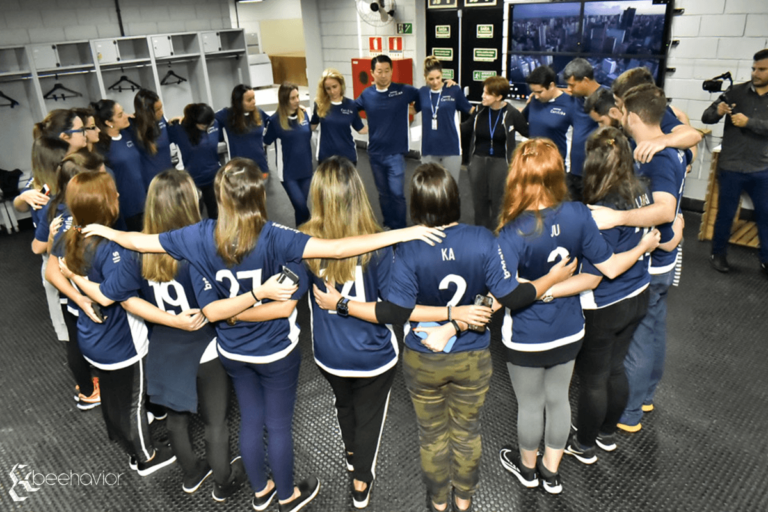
(716, 84)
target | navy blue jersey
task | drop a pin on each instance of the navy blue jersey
(35, 214)
(124, 159)
(670, 121)
(350, 347)
(247, 145)
(388, 121)
(335, 132)
(666, 172)
(57, 249)
(633, 281)
(43, 227)
(583, 126)
(467, 263)
(252, 342)
(551, 120)
(297, 150)
(201, 161)
(152, 165)
(568, 232)
(121, 340)
(444, 106)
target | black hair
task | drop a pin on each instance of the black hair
(380, 59)
(147, 130)
(238, 121)
(435, 197)
(194, 114)
(103, 110)
(542, 75)
(601, 101)
(761, 55)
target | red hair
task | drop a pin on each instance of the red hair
(536, 177)
(91, 199)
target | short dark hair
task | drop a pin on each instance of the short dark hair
(601, 101)
(542, 75)
(761, 55)
(629, 79)
(434, 196)
(647, 101)
(497, 86)
(380, 59)
(579, 69)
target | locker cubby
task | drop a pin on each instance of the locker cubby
(185, 44)
(16, 142)
(194, 90)
(232, 40)
(141, 74)
(224, 73)
(75, 54)
(13, 61)
(133, 49)
(85, 82)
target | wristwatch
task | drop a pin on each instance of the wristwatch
(342, 307)
(547, 297)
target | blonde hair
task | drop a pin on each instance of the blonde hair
(432, 63)
(322, 99)
(284, 105)
(340, 208)
(171, 204)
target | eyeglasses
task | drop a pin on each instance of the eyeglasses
(90, 128)
(79, 130)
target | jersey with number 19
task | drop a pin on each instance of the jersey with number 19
(277, 245)
(546, 334)
(350, 347)
(467, 263)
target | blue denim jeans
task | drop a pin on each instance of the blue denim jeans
(645, 359)
(389, 176)
(731, 186)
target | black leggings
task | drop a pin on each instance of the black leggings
(80, 368)
(603, 386)
(212, 399)
(209, 200)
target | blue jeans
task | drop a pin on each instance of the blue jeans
(298, 193)
(731, 186)
(645, 359)
(389, 175)
(266, 394)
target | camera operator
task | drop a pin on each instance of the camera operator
(743, 163)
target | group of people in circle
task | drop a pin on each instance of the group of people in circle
(165, 309)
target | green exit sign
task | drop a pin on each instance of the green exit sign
(405, 28)
(480, 76)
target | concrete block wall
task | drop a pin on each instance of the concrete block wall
(50, 21)
(715, 36)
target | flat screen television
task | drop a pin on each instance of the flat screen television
(546, 27)
(624, 27)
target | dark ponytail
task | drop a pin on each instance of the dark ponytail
(194, 114)
(55, 123)
(147, 131)
(103, 111)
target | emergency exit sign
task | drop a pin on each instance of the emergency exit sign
(405, 28)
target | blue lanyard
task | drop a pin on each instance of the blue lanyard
(435, 108)
(492, 130)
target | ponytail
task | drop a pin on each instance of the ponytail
(432, 63)
(55, 123)
(194, 114)
(103, 111)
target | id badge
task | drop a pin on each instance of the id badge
(434, 123)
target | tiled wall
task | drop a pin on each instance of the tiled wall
(43, 21)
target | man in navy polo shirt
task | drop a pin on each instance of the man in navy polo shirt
(386, 107)
(550, 112)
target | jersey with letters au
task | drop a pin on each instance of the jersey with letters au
(277, 245)
(666, 172)
(467, 263)
(350, 347)
(336, 130)
(621, 238)
(122, 339)
(568, 232)
(388, 119)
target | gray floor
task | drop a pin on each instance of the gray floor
(703, 448)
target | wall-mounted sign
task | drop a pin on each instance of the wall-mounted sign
(485, 54)
(448, 74)
(485, 31)
(443, 53)
(479, 3)
(375, 46)
(480, 76)
(395, 43)
(442, 4)
(405, 28)
(442, 31)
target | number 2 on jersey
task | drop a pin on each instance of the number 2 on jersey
(461, 288)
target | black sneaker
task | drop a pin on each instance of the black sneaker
(764, 269)
(193, 482)
(237, 477)
(582, 454)
(350, 465)
(261, 503)
(549, 480)
(133, 462)
(606, 442)
(510, 459)
(163, 457)
(308, 490)
(719, 263)
(360, 498)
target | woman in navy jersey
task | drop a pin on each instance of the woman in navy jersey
(336, 115)
(150, 132)
(181, 335)
(537, 229)
(116, 343)
(440, 141)
(447, 373)
(234, 256)
(122, 156)
(242, 127)
(291, 125)
(89, 125)
(197, 136)
(613, 308)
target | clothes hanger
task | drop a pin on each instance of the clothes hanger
(64, 90)
(12, 103)
(171, 74)
(118, 85)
